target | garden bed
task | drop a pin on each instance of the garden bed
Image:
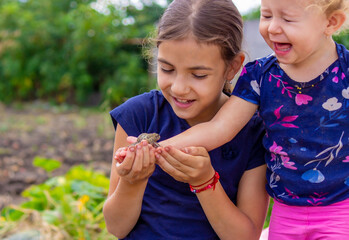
(70, 135)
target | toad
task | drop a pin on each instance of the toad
(151, 138)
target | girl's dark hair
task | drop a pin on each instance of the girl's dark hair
(209, 21)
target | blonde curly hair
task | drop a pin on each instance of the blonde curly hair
(330, 6)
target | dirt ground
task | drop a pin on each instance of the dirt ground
(70, 135)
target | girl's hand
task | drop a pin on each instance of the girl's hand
(138, 164)
(191, 165)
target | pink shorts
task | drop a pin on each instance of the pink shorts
(310, 223)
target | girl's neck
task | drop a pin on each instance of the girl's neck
(309, 70)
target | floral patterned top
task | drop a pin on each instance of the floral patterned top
(307, 130)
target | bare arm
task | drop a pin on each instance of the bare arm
(223, 127)
(246, 219)
(242, 221)
(128, 181)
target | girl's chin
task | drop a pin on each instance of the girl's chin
(183, 113)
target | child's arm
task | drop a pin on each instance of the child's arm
(223, 127)
(128, 181)
(243, 220)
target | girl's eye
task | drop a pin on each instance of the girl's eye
(166, 70)
(266, 16)
(200, 76)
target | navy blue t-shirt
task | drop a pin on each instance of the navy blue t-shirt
(170, 210)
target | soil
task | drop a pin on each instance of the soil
(71, 135)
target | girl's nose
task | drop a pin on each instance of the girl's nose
(274, 26)
(180, 85)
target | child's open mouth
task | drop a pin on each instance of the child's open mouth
(282, 47)
(183, 102)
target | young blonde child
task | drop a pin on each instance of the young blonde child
(302, 94)
(199, 50)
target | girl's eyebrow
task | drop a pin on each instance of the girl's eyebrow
(164, 61)
(191, 68)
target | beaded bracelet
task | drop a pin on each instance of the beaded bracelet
(214, 180)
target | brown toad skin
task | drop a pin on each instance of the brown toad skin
(151, 138)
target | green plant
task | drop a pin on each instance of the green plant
(67, 51)
(63, 207)
(253, 14)
(47, 164)
(267, 219)
(342, 38)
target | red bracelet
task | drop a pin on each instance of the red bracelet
(205, 182)
(214, 180)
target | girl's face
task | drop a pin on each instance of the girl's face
(294, 30)
(191, 76)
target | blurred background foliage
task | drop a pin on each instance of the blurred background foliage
(78, 52)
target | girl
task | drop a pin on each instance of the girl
(199, 49)
(302, 92)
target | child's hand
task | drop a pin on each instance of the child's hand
(138, 163)
(191, 165)
(120, 154)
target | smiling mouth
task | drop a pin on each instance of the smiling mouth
(183, 101)
(282, 47)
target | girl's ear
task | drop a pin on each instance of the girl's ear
(235, 66)
(335, 21)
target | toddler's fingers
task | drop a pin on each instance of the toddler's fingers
(131, 139)
(121, 152)
(119, 158)
(126, 165)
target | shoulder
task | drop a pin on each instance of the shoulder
(140, 103)
(343, 55)
(144, 99)
(260, 65)
(139, 111)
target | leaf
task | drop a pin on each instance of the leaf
(289, 118)
(331, 125)
(330, 159)
(51, 216)
(47, 164)
(12, 213)
(289, 125)
(277, 112)
(289, 94)
(340, 145)
(84, 188)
